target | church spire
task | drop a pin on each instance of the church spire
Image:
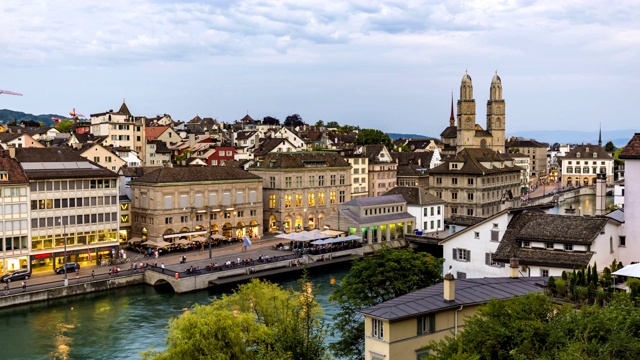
(452, 118)
(600, 136)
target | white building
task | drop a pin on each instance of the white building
(14, 214)
(426, 208)
(630, 234)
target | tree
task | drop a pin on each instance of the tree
(294, 120)
(333, 124)
(65, 126)
(373, 136)
(319, 124)
(533, 327)
(387, 274)
(32, 123)
(270, 120)
(514, 150)
(609, 147)
(258, 321)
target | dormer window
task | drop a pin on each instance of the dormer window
(4, 176)
(577, 154)
(595, 154)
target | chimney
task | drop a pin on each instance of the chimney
(192, 139)
(601, 191)
(514, 271)
(12, 152)
(449, 287)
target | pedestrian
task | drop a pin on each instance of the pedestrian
(77, 273)
(93, 274)
(162, 266)
(109, 272)
(24, 286)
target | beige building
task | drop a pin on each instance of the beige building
(121, 129)
(359, 175)
(177, 202)
(14, 217)
(401, 327)
(537, 154)
(302, 188)
(580, 166)
(382, 168)
(476, 182)
(467, 134)
(99, 155)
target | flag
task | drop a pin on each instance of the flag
(247, 242)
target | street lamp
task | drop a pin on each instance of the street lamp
(210, 232)
(64, 257)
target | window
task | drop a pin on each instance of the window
(333, 180)
(427, 324)
(377, 329)
(439, 181)
(184, 218)
(168, 220)
(299, 181)
(311, 199)
(287, 182)
(167, 202)
(320, 180)
(272, 181)
(526, 244)
(239, 197)
(544, 272)
(470, 196)
(495, 235)
(470, 181)
(321, 198)
(342, 179)
(298, 199)
(288, 201)
(462, 255)
(461, 275)
(332, 197)
(454, 196)
(568, 247)
(488, 260)
(470, 212)
(623, 241)
(341, 196)
(272, 201)
(454, 181)
(476, 235)
(549, 246)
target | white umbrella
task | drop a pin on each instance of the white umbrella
(182, 241)
(198, 238)
(135, 240)
(157, 244)
(217, 237)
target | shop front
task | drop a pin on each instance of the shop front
(12, 264)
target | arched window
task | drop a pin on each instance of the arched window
(577, 154)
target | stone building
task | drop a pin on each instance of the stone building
(467, 134)
(382, 168)
(537, 154)
(302, 188)
(580, 166)
(174, 202)
(476, 182)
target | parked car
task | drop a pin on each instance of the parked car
(23, 274)
(70, 267)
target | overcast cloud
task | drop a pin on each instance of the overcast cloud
(383, 64)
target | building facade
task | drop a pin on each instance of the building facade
(14, 214)
(537, 154)
(359, 175)
(175, 202)
(580, 166)
(302, 188)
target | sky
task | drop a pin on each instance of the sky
(389, 65)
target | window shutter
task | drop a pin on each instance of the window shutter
(419, 322)
(432, 323)
(468, 255)
(487, 258)
(455, 254)
(183, 201)
(198, 200)
(252, 196)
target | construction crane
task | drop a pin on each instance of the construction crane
(10, 92)
(74, 114)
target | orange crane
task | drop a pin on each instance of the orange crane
(74, 114)
(10, 92)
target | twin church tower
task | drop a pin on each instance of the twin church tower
(466, 133)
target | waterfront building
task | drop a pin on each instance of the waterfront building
(14, 214)
(630, 235)
(580, 166)
(170, 203)
(302, 188)
(524, 162)
(476, 182)
(400, 327)
(359, 175)
(426, 208)
(73, 206)
(375, 219)
(121, 129)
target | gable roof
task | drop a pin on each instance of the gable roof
(57, 163)
(376, 200)
(472, 163)
(450, 132)
(586, 152)
(414, 195)
(15, 175)
(632, 149)
(296, 160)
(195, 174)
(467, 292)
(152, 132)
(124, 109)
(268, 145)
(542, 227)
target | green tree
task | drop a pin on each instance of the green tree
(373, 136)
(514, 150)
(388, 274)
(260, 320)
(294, 121)
(65, 126)
(333, 124)
(532, 327)
(270, 120)
(609, 147)
(319, 123)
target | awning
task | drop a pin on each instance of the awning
(632, 270)
(134, 240)
(199, 238)
(177, 235)
(156, 244)
(332, 232)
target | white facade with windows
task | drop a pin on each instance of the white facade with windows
(14, 227)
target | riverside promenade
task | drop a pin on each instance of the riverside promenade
(93, 278)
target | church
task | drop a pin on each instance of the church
(467, 134)
(477, 177)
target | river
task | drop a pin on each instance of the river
(584, 205)
(115, 325)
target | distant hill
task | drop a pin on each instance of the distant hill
(618, 137)
(7, 116)
(395, 136)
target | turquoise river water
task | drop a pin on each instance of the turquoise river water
(115, 325)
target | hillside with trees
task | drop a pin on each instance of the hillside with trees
(10, 116)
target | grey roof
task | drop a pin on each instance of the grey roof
(375, 200)
(377, 218)
(58, 163)
(472, 160)
(617, 215)
(414, 195)
(586, 153)
(297, 160)
(467, 292)
(463, 220)
(522, 143)
(196, 174)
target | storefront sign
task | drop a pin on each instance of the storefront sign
(42, 256)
